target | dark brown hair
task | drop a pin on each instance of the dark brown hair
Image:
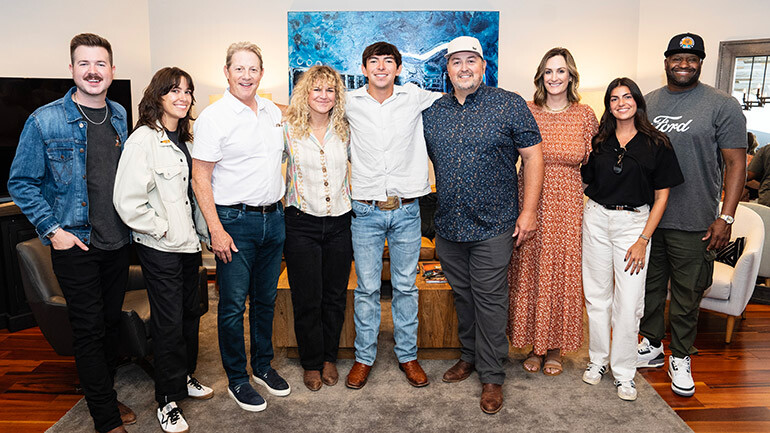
(151, 106)
(608, 124)
(89, 40)
(381, 49)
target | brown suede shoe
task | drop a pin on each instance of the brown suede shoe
(491, 398)
(458, 372)
(358, 375)
(312, 379)
(329, 374)
(414, 373)
(126, 414)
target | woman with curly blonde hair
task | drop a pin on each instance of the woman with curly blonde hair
(318, 247)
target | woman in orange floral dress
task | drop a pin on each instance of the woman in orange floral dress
(546, 297)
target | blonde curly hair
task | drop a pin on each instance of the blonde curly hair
(298, 113)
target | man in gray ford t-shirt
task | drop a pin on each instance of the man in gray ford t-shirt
(706, 128)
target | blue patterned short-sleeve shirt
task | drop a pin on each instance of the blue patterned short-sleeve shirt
(474, 149)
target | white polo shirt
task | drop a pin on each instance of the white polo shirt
(247, 149)
(387, 147)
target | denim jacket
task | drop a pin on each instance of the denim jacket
(47, 180)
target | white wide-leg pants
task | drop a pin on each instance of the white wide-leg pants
(614, 297)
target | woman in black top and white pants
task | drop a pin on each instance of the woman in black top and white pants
(629, 173)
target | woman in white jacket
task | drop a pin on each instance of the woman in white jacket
(154, 198)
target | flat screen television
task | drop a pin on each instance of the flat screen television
(19, 97)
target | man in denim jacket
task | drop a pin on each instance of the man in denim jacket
(62, 178)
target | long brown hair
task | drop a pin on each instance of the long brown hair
(572, 94)
(608, 123)
(151, 106)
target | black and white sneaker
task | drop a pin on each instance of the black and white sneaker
(681, 376)
(626, 389)
(649, 356)
(171, 419)
(247, 398)
(274, 383)
(594, 373)
(198, 391)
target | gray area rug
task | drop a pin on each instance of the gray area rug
(533, 402)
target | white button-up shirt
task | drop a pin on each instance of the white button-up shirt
(247, 149)
(387, 146)
(317, 174)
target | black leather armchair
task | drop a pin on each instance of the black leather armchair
(50, 309)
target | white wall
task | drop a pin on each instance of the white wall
(609, 38)
(35, 37)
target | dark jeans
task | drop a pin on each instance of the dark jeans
(478, 274)
(172, 286)
(252, 273)
(93, 283)
(318, 254)
(681, 257)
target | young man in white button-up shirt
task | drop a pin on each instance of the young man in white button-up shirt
(389, 172)
(238, 183)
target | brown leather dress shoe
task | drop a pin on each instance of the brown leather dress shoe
(312, 379)
(458, 372)
(120, 429)
(329, 374)
(414, 373)
(491, 398)
(126, 414)
(358, 376)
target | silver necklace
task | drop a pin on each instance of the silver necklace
(106, 112)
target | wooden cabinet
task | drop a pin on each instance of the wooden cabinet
(14, 228)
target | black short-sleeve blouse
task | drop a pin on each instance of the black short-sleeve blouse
(630, 176)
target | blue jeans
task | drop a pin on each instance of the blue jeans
(254, 271)
(401, 227)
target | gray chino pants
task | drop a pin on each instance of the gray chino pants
(477, 272)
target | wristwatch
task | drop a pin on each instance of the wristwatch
(51, 233)
(728, 219)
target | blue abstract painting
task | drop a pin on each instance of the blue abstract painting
(337, 39)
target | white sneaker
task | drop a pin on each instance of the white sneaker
(594, 373)
(626, 389)
(197, 391)
(681, 376)
(171, 419)
(649, 356)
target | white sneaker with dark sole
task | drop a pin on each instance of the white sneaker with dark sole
(649, 356)
(681, 376)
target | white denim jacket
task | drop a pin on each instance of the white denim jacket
(151, 194)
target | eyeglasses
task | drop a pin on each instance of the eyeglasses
(618, 167)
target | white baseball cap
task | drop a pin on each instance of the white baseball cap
(464, 43)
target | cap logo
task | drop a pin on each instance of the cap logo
(687, 42)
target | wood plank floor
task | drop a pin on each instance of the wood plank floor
(732, 394)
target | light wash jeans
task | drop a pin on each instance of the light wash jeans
(614, 297)
(401, 227)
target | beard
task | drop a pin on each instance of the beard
(674, 80)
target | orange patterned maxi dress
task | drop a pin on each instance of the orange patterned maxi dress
(546, 284)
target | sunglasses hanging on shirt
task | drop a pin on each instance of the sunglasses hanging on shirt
(618, 167)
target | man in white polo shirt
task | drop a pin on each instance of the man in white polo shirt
(389, 172)
(237, 181)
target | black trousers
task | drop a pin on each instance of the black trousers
(93, 283)
(318, 253)
(172, 286)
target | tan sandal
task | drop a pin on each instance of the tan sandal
(533, 362)
(552, 365)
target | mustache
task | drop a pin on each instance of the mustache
(92, 76)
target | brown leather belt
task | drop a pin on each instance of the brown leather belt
(247, 208)
(391, 203)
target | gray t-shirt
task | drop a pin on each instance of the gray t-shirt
(760, 165)
(699, 122)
